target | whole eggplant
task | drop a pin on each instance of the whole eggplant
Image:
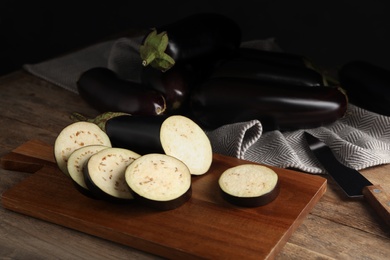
(367, 85)
(268, 72)
(202, 37)
(221, 101)
(102, 89)
(175, 84)
(273, 57)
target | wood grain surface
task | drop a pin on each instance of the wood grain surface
(192, 231)
(31, 108)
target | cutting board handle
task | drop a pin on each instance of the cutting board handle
(379, 200)
(29, 157)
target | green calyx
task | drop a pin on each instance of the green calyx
(153, 49)
(99, 120)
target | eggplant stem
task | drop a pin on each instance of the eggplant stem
(152, 51)
(99, 120)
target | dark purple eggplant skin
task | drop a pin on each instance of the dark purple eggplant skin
(367, 85)
(268, 73)
(140, 134)
(251, 202)
(175, 84)
(273, 57)
(222, 101)
(202, 37)
(105, 91)
(164, 205)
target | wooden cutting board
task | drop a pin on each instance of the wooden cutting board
(205, 227)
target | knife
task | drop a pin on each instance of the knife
(352, 182)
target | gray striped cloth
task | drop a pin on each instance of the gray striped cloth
(360, 139)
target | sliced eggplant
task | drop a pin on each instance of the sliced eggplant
(76, 162)
(182, 138)
(104, 174)
(174, 135)
(75, 136)
(249, 185)
(159, 181)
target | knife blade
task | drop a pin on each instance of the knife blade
(352, 182)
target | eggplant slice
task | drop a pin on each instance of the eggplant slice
(76, 163)
(159, 181)
(104, 174)
(249, 185)
(75, 136)
(183, 139)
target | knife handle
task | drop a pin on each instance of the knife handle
(379, 200)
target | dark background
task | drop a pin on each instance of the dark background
(330, 33)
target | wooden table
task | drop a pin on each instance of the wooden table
(31, 108)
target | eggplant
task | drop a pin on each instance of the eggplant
(202, 37)
(174, 135)
(76, 163)
(249, 185)
(105, 91)
(268, 73)
(221, 101)
(137, 133)
(159, 181)
(174, 84)
(367, 85)
(276, 58)
(104, 174)
(76, 136)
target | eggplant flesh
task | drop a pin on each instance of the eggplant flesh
(160, 181)
(268, 73)
(367, 85)
(222, 101)
(105, 91)
(249, 185)
(104, 174)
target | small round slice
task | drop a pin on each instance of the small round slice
(183, 139)
(160, 181)
(249, 185)
(76, 162)
(75, 136)
(104, 174)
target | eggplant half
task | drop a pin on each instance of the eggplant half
(221, 101)
(104, 174)
(76, 136)
(202, 37)
(249, 185)
(367, 86)
(105, 91)
(159, 181)
(175, 135)
(137, 133)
